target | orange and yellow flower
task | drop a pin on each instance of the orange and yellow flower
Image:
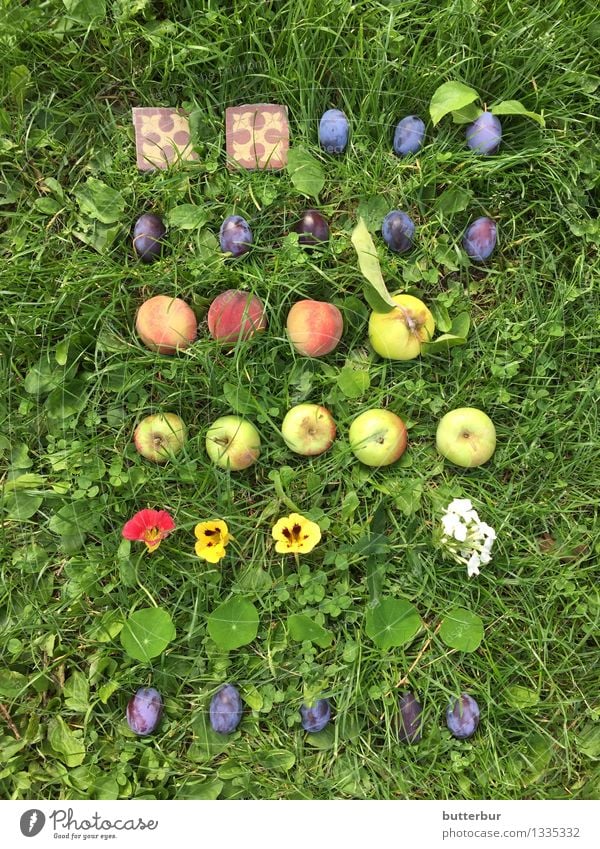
(294, 534)
(149, 526)
(212, 537)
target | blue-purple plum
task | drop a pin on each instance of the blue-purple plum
(479, 240)
(144, 711)
(225, 709)
(462, 717)
(409, 723)
(148, 233)
(312, 227)
(235, 235)
(397, 231)
(333, 131)
(409, 135)
(485, 134)
(315, 718)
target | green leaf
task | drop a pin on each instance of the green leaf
(376, 294)
(353, 382)
(85, 11)
(277, 759)
(461, 325)
(97, 235)
(98, 201)
(514, 107)
(450, 97)
(521, 697)
(454, 199)
(441, 316)
(147, 633)
(12, 684)
(372, 211)
(302, 627)
(21, 505)
(67, 400)
(442, 343)
(306, 172)
(462, 630)
(467, 114)
(19, 81)
(69, 747)
(233, 624)
(77, 692)
(588, 742)
(196, 789)
(393, 622)
(47, 206)
(42, 377)
(75, 518)
(239, 398)
(187, 216)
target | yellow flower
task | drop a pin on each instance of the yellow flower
(212, 538)
(295, 535)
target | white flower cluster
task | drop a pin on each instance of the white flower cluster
(466, 537)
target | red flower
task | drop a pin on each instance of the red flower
(149, 526)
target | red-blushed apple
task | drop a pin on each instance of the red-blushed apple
(400, 333)
(377, 437)
(160, 436)
(166, 324)
(234, 315)
(314, 327)
(308, 429)
(466, 436)
(232, 443)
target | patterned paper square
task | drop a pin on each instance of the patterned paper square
(162, 136)
(257, 135)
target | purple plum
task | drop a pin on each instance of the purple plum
(485, 134)
(313, 228)
(409, 135)
(462, 717)
(235, 235)
(479, 240)
(333, 131)
(315, 718)
(148, 233)
(144, 711)
(409, 727)
(225, 709)
(397, 231)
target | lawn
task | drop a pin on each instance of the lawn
(77, 381)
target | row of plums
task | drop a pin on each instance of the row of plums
(235, 235)
(144, 711)
(483, 135)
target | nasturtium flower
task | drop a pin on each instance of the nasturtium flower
(212, 537)
(294, 534)
(149, 526)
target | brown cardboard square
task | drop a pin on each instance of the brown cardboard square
(257, 136)
(162, 137)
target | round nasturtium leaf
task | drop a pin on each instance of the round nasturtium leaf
(393, 622)
(462, 630)
(147, 633)
(233, 624)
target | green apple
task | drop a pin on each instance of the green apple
(400, 333)
(377, 437)
(466, 437)
(160, 436)
(232, 443)
(308, 429)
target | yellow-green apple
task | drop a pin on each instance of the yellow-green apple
(314, 327)
(378, 437)
(160, 436)
(308, 429)
(466, 436)
(234, 315)
(400, 333)
(166, 324)
(232, 443)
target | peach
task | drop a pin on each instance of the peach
(314, 327)
(166, 324)
(234, 315)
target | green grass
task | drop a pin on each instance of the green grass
(529, 362)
